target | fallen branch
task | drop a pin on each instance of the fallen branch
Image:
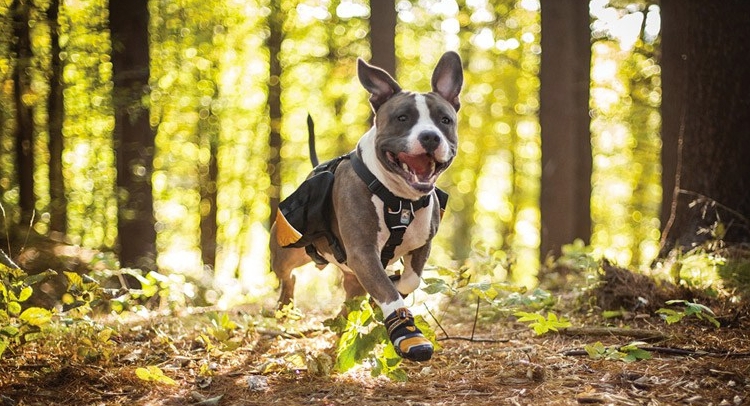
(613, 331)
(674, 351)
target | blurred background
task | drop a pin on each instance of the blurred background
(224, 89)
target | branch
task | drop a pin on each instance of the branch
(674, 351)
(613, 331)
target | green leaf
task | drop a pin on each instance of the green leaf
(74, 280)
(636, 354)
(435, 285)
(524, 316)
(36, 316)
(3, 345)
(25, 294)
(154, 374)
(34, 279)
(9, 331)
(596, 350)
(14, 308)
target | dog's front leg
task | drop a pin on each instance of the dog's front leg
(414, 262)
(407, 339)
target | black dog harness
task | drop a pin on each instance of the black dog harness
(304, 216)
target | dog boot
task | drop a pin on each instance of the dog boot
(406, 337)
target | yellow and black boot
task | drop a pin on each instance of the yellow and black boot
(406, 337)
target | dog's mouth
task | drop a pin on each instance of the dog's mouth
(420, 171)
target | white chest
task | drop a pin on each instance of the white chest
(417, 233)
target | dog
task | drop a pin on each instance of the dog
(379, 203)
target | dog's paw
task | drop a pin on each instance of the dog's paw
(406, 337)
(395, 278)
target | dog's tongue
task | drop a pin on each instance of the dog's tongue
(421, 165)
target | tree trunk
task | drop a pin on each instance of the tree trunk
(706, 122)
(134, 137)
(564, 118)
(275, 36)
(383, 34)
(208, 177)
(24, 112)
(58, 201)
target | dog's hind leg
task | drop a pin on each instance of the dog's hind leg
(352, 287)
(283, 262)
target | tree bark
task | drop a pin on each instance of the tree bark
(134, 137)
(564, 118)
(24, 112)
(208, 175)
(706, 122)
(58, 200)
(273, 164)
(383, 34)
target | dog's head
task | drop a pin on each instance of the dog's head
(416, 133)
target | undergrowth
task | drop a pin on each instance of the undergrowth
(362, 337)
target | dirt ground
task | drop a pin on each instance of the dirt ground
(693, 363)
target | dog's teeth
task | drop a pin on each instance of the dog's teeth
(405, 167)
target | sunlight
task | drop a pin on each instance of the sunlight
(352, 9)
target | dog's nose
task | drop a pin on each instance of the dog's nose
(430, 140)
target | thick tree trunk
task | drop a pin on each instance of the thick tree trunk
(383, 34)
(24, 112)
(134, 137)
(58, 200)
(564, 118)
(706, 122)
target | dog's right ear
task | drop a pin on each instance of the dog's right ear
(378, 82)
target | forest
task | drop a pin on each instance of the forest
(595, 248)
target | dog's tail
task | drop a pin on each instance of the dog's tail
(311, 140)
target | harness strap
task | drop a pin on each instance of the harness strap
(398, 212)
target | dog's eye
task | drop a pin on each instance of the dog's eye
(402, 118)
(446, 120)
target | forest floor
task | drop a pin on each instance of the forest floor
(692, 362)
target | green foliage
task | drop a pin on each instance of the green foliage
(699, 311)
(223, 330)
(578, 255)
(540, 324)
(503, 297)
(627, 353)
(19, 325)
(362, 337)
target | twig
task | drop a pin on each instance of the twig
(476, 317)
(440, 326)
(475, 340)
(613, 331)
(674, 351)
(471, 339)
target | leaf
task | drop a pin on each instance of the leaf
(596, 350)
(74, 280)
(34, 279)
(154, 374)
(9, 331)
(636, 354)
(524, 316)
(25, 294)
(14, 308)
(3, 346)
(36, 316)
(104, 335)
(435, 285)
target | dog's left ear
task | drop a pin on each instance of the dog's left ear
(448, 78)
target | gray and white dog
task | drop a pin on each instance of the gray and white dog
(379, 203)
